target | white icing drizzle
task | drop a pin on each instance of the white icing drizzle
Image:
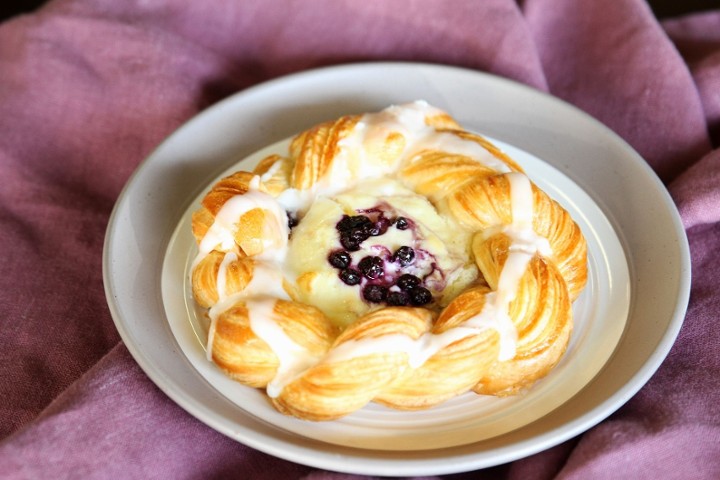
(220, 235)
(521, 200)
(293, 359)
(271, 171)
(409, 121)
(265, 287)
(267, 280)
(525, 243)
(294, 200)
(353, 163)
(221, 280)
(418, 351)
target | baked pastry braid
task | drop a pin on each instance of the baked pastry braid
(239, 348)
(454, 369)
(390, 257)
(276, 173)
(485, 205)
(314, 150)
(219, 275)
(355, 370)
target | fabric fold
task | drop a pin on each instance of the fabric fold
(696, 192)
(697, 38)
(114, 423)
(90, 87)
(615, 62)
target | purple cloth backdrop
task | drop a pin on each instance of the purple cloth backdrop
(89, 87)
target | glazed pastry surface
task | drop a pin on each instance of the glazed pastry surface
(390, 257)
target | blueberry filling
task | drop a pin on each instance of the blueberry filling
(372, 267)
(402, 223)
(404, 256)
(380, 226)
(375, 293)
(398, 299)
(420, 296)
(292, 220)
(356, 222)
(340, 259)
(355, 229)
(350, 276)
(372, 272)
(407, 281)
(351, 239)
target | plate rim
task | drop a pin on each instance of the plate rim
(382, 464)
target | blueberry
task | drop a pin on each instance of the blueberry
(349, 243)
(420, 296)
(407, 281)
(404, 256)
(351, 239)
(292, 220)
(398, 299)
(372, 267)
(350, 276)
(356, 222)
(402, 223)
(340, 259)
(345, 223)
(380, 226)
(375, 293)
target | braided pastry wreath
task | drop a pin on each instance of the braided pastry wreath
(390, 257)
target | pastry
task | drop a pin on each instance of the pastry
(391, 257)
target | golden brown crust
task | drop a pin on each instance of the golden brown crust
(204, 277)
(485, 203)
(474, 195)
(279, 169)
(436, 174)
(453, 370)
(252, 231)
(239, 352)
(247, 358)
(236, 184)
(315, 149)
(331, 390)
(542, 315)
(490, 147)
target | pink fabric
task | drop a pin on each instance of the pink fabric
(89, 87)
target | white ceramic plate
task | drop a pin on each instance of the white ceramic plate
(606, 185)
(600, 315)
